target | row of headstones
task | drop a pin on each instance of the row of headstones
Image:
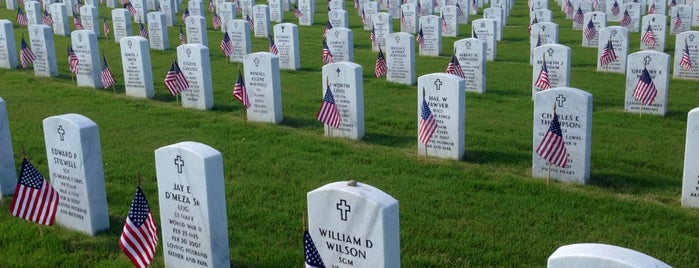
(615, 10)
(194, 225)
(682, 17)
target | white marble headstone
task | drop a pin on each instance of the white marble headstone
(196, 7)
(446, 96)
(409, 18)
(192, 200)
(471, 54)
(168, 8)
(195, 63)
(263, 26)
(246, 8)
(542, 33)
(138, 74)
(74, 158)
(341, 44)
(634, 10)
(427, 7)
(157, 31)
(226, 11)
(59, 15)
(8, 50)
(338, 18)
(32, 11)
(42, 45)
(121, 19)
(486, 31)
(286, 38)
(450, 15)
(601, 255)
(140, 6)
(541, 15)
(383, 26)
(557, 64)
(365, 215)
(599, 21)
(400, 58)
(658, 66)
(680, 19)
(347, 86)
(690, 177)
(495, 14)
(8, 175)
(658, 27)
(307, 8)
(89, 17)
(695, 11)
(431, 27)
(196, 30)
(619, 36)
(239, 32)
(370, 8)
(276, 11)
(89, 67)
(688, 41)
(263, 83)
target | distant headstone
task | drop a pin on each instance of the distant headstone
(89, 67)
(121, 20)
(44, 49)
(601, 255)
(263, 26)
(195, 63)
(400, 58)
(345, 81)
(450, 15)
(655, 25)
(286, 38)
(168, 8)
(8, 176)
(367, 219)
(32, 11)
(634, 10)
(463, 8)
(341, 44)
(59, 15)
(157, 31)
(263, 83)
(75, 167)
(192, 198)
(431, 27)
(426, 7)
(11, 4)
(383, 26)
(574, 110)
(307, 8)
(138, 74)
(151, 5)
(594, 21)
(658, 5)
(695, 11)
(445, 94)
(614, 11)
(542, 15)
(338, 18)
(539, 5)
(471, 54)
(690, 184)
(239, 32)
(336, 5)
(89, 17)
(196, 30)
(226, 11)
(276, 11)
(495, 14)
(140, 6)
(409, 18)
(557, 64)
(686, 43)
(542, 33)
(111, 3)
(680, 19)
(246, 8)
(619, 38)
(370, 8)
(485, 31)
(657, 65)
(196, 8)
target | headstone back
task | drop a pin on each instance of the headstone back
(8, 175)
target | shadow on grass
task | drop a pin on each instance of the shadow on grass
(488, 157)
(629, 184)
(389, 140)
(301, 123)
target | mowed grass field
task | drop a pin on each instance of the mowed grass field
(483, 211)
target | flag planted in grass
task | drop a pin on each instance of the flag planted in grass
(226, 45)
(648, 37)
(105, 28)
(26, 56)
(21, 17)
(240, 93)
(380, 69)
(327, 55)
(35, 200)
(328, 113)
(428, 125)
(552, 147)
(645, 90)
(273, 47)
(608, 55)
(72, 60)
(107, 77)
(175, 81)
(139, 238)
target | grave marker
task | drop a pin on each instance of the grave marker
(196, 30)
(619, 38)
(89, 67)
(657, 65)
(195, 63)
(239, 32)
(8, 50)
(168, 8)
(157, 31)
(44, 49)
(686, 63)
(89, 17)
(261, 18)
(286, 38)
(8, 175)
(445, 94)
(307, 8)
(345, 81)
(338, 18)
(264, 87)
(653, 25)
(450, 15)
(598, 21)
(485, 30)
(601, 255)
(409, 18)
(431, 27)
(341, 44)
(400, 58)
(471, 54)
(59, 15)
(138, 74)
(121, 20)
(557, 64)
(383, 26)
(690, 177)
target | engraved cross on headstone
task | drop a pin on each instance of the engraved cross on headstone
(61, 131)
(179, 163)
(438, 84)
(344, 208)
(338, 72)
(646, 61)
(560, 100)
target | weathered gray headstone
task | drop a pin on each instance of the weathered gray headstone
(195, 63)
(687, 66)
(44, 49)
(157, 31)
(263, 26)
(89, 67)
(8, 176)
(654, 25)
(239, 32)
(657, 65)
(121, 19)
(74, 158)
(601, 255)
(557, 64)
(431, 28)
(364, 215)
(471, 54)
(690, 184)
(400, 58)
(341, 44)
(345, 81)
(138, 74)
(263, 83)
(192, 199)
(8, 50)
(383, 26)
(485, 30)
(286, 38)
(196, 30)
(619, 37)
(59, 15)
(445, 94)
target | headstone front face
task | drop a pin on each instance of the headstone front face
(307, 8)
(426, 7)
(196, 7)
(286, 38)
(8, 176)
(690, 184)
(471, 55)
(657, 65)
(8, 50)
(695, 11)
(542, 33)
(365, 215)
(599, 21)
(431, 27)
(195, 63)
(619, 37)
(383, 26)
(75, 167)
(601, 255)
(32, 11)
(542, 15)
(495, 14)
(557, 64)
(246, 8)
(263, 82)
(167, 7)
(445, 94)
(192, 199)
(276, 12)
(140, 6)
(345, 81)
(574, 110)
(486, 32)
(157, 31)
(138, 74)
(681, 19)
(59, 15)
(196, 30)
(341, 44)
(409, 18)
(634, 10)
(239, 32)
(338, 18)
(226, 11)
(44, 49)
(89, 67)
(450, 14)
(262, 23)
(655, 24)
(89, 17)
(121, 19)
(370, 8)
(400, 58)
(686, 42)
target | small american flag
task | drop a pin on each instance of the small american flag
(428, 125)
(46, 19)
(107, 77)
(144, 30)
(130, 8)
(226, 45)
(651, 9)
(21, 17)
(77, 23)
(372, 35)
(542, 80)
(615, 8)
(185, 14)
(608, 55)
(381, 67)
(328, 26)
(105, 27)
(677, 22)
(181, 36)
(590, 32)
(459, 10)
(26, 56)
(473, 33)
(35, 200)
(175, 81)
(552, 147)
(648, 37)
(251, 22)
(474, 7)
(419, 10)
(578, 18)
(238, 7)
(239, 91)
(455, 68)
(645, 90)
(273, 47)
(72, 60)
(313, 259)
(298, 13)
(686, 62)
(327, 55)
(216, 22)
(420, 38)
(139, 238)
(625, 19)
(569, 8)
(445, 27)
(328, 113)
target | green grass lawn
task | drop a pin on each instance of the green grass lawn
(483, 211)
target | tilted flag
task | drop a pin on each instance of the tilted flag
(328, 26)
(648, 37)
(615, 8)
(402, 19)
(273, 47)
(35, 200)
(21, 17)
(454, 67)
(46, 19)
(578, 18)
(534, 21)
(175, 81)
(625, 19)
(77, 23)
(226, 45)
(107, 77)
(428, 125)
(459, 10)
(252, 23)
(312, 257)
(105, 27)
(651, 9)
(569, 8)
(552, 147)
(144, 31)
(686, 62)
(363, 17)
(473, 33)
(131, 8)
(645, 90)
(445, 27)
(542, 80)
(240, 93)
(185, 14)
(380, 69)
(420, 38)
(372, 35)
(26, 56)
(298, 13)
(328, 113)
(590, 32)
(327, 55)
(608, 55)
(72, 60)
(216, 22)
(181, 36)
(677, 22)
(139, 238)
